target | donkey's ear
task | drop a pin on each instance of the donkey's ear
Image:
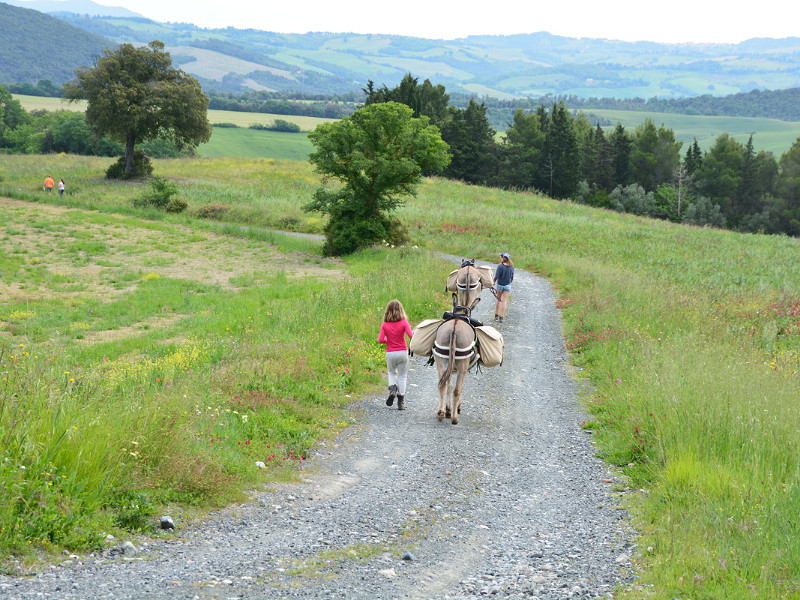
(475, 303)
(455, 301)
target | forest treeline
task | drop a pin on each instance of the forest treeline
(778, 104)
(645, 171)
(45, 132)
(773, 104)
(550, 149)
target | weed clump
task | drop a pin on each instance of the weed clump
(161, 195)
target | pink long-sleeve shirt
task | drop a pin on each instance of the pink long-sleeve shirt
(393, 335)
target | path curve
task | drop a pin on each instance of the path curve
(509, 503)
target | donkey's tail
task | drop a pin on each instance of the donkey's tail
(451, 360)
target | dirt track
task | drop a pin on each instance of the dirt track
(510, 503)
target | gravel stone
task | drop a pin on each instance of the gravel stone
(509, 503)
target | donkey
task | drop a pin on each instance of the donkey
(454, 351)
(468, 283)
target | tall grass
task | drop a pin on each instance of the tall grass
(171, 389)
(690, 339)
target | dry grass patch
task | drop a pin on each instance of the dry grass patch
(103, 259)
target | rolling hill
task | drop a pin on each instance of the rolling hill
(36, 46)
(525, 65)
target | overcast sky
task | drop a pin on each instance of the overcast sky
(629, 20)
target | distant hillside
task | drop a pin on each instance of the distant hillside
(36, 46)
(503, 67)
(525, 65)
(78, 7)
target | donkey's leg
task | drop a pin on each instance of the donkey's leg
(440, 414)
(461, 374)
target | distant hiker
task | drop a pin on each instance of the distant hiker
(503, 277)
(48, 184)
(61, 187)
(394, 329)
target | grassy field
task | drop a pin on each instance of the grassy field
(238, 142)
(688, 340)
(771, 135)
(256, 143)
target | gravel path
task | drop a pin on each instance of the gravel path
(509, 503)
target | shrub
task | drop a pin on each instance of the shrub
(162, 195)
(225, 125)
(214, 212)
(283, 125)
(704, 212)
(142, 167)
(633, 199)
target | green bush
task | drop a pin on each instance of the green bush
(283, 125)
(162, 195)
(142, 167)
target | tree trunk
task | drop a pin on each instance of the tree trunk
(129, 144)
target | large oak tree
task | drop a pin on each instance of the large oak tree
(135, 95)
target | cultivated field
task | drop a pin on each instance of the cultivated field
(771, 135)
(238, 142)
(688, 341)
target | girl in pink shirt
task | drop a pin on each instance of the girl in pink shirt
(393, 333)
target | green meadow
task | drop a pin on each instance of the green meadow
(239, 141)
(170, 352)
(771, 135)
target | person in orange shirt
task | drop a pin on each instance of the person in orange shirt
(49, 183)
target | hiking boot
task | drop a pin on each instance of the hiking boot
(401, 402)
(497, 317)
(392, 394)
(500, 319)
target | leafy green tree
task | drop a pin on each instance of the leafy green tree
(633, 199)
(621, 147)
(426, 100)
(12, 115)
(693, 158)
(379, 154)
(788, 189)
(472, 145)
(598, 160)
(520, 155)
(703, 212)
(134, 94)
(561, 155)
(655, 155)
(720, 174)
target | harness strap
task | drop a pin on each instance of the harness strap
(460, 354)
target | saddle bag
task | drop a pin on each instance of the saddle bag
(423, 336)
(487, 277)
(490, 346)
(484, 272)
(451, 282)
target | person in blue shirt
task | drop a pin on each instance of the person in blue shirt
(503, 276)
